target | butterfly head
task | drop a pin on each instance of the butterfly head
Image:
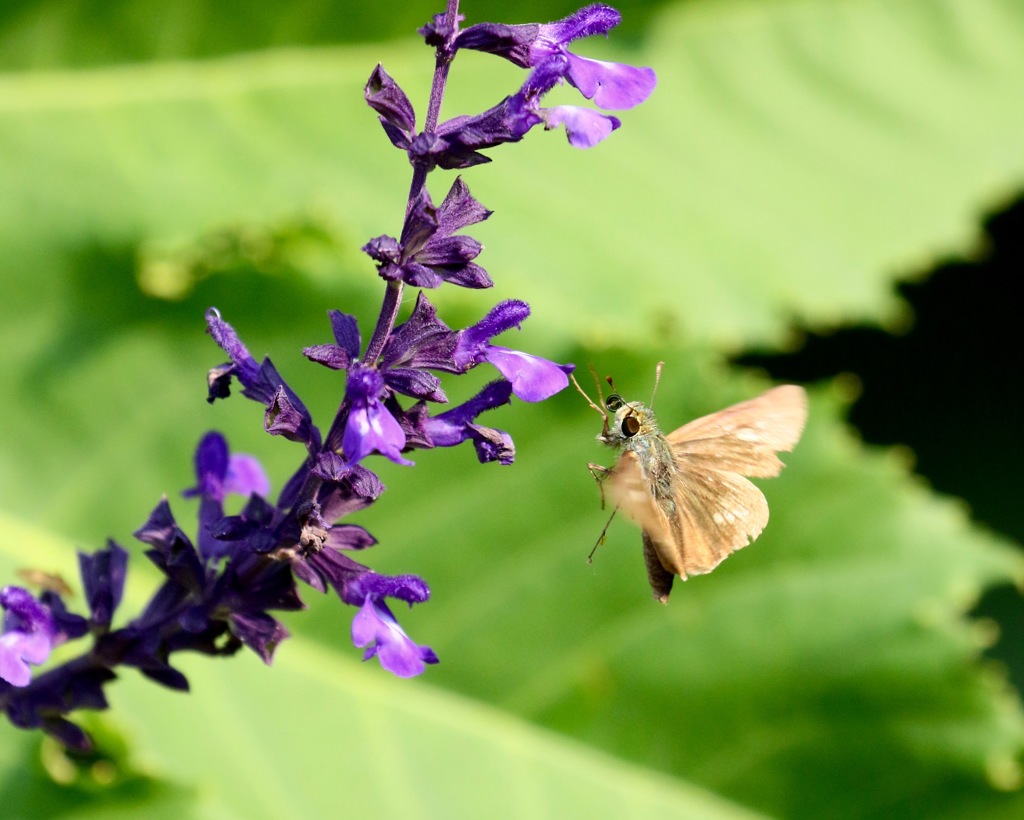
(625, 420)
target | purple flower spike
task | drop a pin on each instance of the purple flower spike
(29, 635)
(370, 426)
(398, 653)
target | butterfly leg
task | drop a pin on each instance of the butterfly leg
(600, 475)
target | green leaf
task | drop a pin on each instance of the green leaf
(796, 157)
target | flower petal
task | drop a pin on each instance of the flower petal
(583, 127)
(612, 86)
(533, 378)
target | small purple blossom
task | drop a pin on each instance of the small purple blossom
(29, 635)
(370, 427)
(532, 378)
(459, 424)
(397, 652)
(429, 253)
(612, 86)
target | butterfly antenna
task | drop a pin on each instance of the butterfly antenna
(589, 400)
(602, 536)
(657, 378)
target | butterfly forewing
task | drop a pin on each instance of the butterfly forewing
(745, 437)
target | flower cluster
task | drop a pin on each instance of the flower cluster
(220, 589)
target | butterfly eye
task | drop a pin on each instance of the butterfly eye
(614, 402)
(630, 426)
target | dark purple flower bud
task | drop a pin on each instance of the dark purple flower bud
(29, 635)
(439, 32)
(532, 378)
(243, 364)
(457, 425)
(286, 414)
(349, 537)
(513, 42)
(328, 568)
(172, 550)
(370, 427)
(428, 253)
(77, 685)
(346, 491)
(422, 341)
(338, 356)
(462, 138)
(67, 624)
(375, 625)
(259, 631)
(103, 576)
(397, 116)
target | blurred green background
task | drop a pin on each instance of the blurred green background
(798, 160)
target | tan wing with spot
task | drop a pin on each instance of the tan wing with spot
(744, 438)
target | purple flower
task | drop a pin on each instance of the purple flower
(532, 378)
(375, 625)
(370, 426)
(612, 86)
(429, 253)
(398, 653)
(543, 48)
(29, 635)
(423, 341)
(218, 473)
(394, 110)
(459, 424)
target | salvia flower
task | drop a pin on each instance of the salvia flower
(397, 652)
(532, 378)
(612, 86)
(28, 637)
(370, 427)
(222, 587)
